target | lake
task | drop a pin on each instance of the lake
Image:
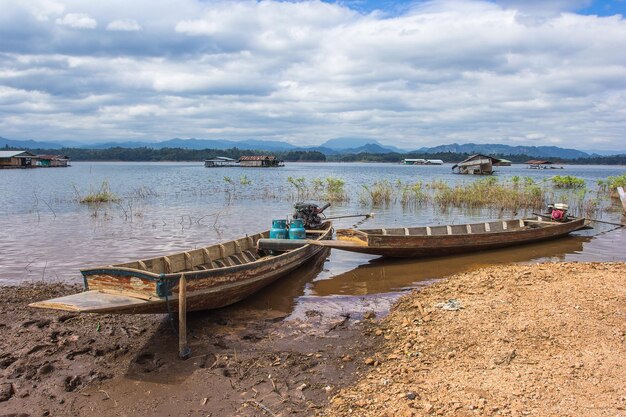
(47, 235)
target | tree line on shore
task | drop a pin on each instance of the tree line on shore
(180, 154)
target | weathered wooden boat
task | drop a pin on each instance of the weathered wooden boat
(415, 242)
(216, 275)
(622, 197)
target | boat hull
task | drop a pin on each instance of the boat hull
(396, 246)
(126, 291)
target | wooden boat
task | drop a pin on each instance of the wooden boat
(622, 197)
(415, 242)
(217, 276)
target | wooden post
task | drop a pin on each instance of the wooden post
(183, 348)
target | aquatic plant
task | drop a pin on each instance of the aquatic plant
(329, 189)
(568, 181)
(490, 193)
(103, 195)
(437, 184)
(335, 191)
(414, 194)
(379, 193)
(244, 180)
(611, 184)
(143, 192)
(302, 191)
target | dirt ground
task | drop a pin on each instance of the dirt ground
(540, 340)
(244, 362)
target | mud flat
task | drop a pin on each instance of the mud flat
(538, 340)
(245, 362)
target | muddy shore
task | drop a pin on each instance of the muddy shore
(545, 339)
(244, 362)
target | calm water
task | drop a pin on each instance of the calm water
(45, 234)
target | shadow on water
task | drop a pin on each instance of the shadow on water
(391, 275)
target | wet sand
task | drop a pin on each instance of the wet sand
(520, 340)
(244, 362)
(545, 339)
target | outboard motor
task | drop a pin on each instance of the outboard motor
(311, 214)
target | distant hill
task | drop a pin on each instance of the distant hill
(198, 144)
(488, 148)
(335, 146)
(29, 144)
(353, 144)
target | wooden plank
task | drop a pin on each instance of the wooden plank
(504, 225)
(167, 264)
(469, 229)
(183, 348)
(428, 231)
(487, 227)
(521, 222)
(406, 231)
(280, 245)
(449, 229)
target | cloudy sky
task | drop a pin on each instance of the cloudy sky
(408, 73)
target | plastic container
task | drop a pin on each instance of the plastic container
(296, 229)
(279, 229)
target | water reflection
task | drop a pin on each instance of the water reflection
(391, 275)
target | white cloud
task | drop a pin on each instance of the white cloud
(78, 21)
(124, 25)
(307, 71)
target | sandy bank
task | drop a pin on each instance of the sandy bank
(541, 340)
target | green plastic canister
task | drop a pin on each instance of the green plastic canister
(279, 229)
(296, 229)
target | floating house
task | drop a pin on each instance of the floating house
(220, 161)
(52, 161)
(541, 164)
(418, 161)
(260, 161)
(25, 159)
(17, 159)
(477, 164)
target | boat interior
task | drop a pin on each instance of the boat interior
(445, 230)
(235, 252)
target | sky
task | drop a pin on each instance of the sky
(406, 73)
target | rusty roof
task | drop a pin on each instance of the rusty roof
(538, 162)
(257, 157)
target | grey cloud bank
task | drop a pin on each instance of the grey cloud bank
(439, 72)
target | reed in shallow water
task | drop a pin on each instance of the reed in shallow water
(490, 193)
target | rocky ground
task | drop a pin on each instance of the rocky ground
(540, 340)
(537, 340)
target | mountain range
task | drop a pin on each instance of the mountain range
(330, 147)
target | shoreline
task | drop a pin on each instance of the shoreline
(543, 339)
(515, 340)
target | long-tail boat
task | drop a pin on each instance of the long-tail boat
(217, 275)
(427, 241)
(622, 197)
